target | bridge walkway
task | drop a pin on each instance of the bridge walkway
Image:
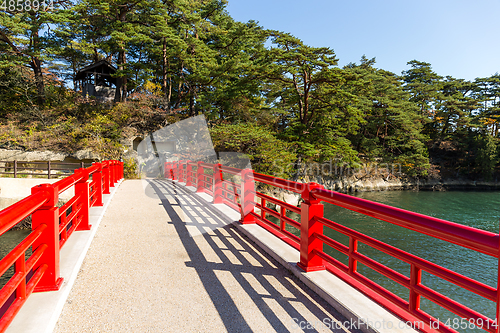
(165, 261)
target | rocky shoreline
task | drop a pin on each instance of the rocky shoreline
(380, 184)
(352, 185)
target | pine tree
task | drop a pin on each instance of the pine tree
(392, 127)
(24, 40)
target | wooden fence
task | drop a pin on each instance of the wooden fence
(48, 169)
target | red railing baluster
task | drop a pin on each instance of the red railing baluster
(20, 268)
(174, 170)
(353, 248)
(309, 243)
(82, 191)
(182, 178)
(282, 220)
(170, 170)
(105, 170)
(112, 174)
(166, 170)
(415, 279)
(217, 184)
(189, 170)
(200, 172)
(263, 204)
(247, 197)
(97, 177)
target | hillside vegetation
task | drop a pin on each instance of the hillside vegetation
(263, 92)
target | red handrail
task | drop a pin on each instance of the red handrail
(14, 214)
(312, 237)
(475, 239)
(51, 227)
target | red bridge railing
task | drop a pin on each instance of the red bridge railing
(235, 188)
(51, 228)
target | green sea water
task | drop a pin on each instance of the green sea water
(476, 209)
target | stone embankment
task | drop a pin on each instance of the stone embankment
(34, 156)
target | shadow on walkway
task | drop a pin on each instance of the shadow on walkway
(249, 289)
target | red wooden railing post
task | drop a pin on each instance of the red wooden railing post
(200, 177)
(353, 248)
(105, 173)
(181, 172)
(497, 318)
(97, 177)
(415, 279)
(175, 171)
(47, 214)
(309, 244)
(82, 191)
(112, 170)
(180, 168)
(217, 184)
(189, 176)
(247, 197)
(117, 171)
(180, 176)
(170, 170)
(165, 170)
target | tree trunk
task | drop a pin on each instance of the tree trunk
(191, 105)
(164, 74)
(121, 82)
(124, 82)
(36, 65)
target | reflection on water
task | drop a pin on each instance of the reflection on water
(8, 241)
(477, 209)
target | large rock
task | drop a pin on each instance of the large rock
(33, 156)
(30, 156)
(86, 154)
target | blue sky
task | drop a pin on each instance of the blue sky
(459, 38)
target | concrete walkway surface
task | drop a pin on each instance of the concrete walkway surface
(163, 261)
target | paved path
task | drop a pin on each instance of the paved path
(163, 261)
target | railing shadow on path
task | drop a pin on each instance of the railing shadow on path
(249, 289)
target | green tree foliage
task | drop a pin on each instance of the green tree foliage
(454, 107)
(392, 126)
(487, 155)
(266, 153)
(24, 40)
(488, 93)
(310, 93)
(423, 85)
(264, 92)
